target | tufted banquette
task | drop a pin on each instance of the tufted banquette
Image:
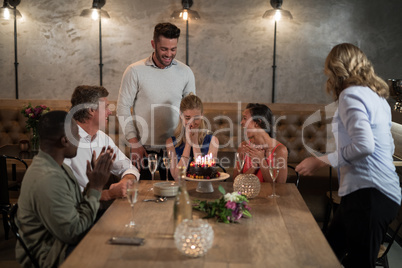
(291, 125)
(301, 127)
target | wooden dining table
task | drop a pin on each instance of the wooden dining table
(281, 233)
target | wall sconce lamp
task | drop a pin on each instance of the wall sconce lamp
(96, 13)
(277, 13)
(10, 7)
(186, 14)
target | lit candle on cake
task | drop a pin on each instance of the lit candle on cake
(210, 160)
(203, 167)
(205, 160)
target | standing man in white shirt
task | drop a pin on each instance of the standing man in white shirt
(90, 108)
(154, 87)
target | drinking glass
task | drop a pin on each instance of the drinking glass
(152, 165)
(132, 192)
(274, 172)
(166, 162)
(240, 157)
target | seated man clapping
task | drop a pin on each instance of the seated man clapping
(53, 215)
(90, 108)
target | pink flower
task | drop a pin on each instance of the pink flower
(37, 111)
(230, 205)
(238, 216)
(33, 114)
(246, 206)
(237, 213)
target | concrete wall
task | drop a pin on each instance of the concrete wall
(230, 47)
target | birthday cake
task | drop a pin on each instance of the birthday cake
(203, 168)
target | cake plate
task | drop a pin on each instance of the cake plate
(205, 186)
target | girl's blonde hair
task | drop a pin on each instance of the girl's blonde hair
(346, 65)
(190, 102)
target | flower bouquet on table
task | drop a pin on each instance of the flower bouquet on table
(33, 114)
(229, 208)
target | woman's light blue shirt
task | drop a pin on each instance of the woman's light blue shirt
(362, 130)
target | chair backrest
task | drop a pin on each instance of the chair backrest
(382, 259)
(297, 175)
(14, 229)
(4, 196)
(4, 178)
(223, 169)
(389, 239)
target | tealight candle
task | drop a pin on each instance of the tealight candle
(194, 238)
(247, 184)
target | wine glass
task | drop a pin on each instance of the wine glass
(166, 162)
(132, 192)
(274, 172)
(240, 157)
(152, 165)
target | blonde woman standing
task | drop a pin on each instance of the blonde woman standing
(368, 184)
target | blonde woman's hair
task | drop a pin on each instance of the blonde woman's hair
(346, 65)
(190, 102)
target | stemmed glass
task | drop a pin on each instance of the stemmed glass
(240, 157)
(274, 172)
(166, 162)
(132, 192)
(152, 165)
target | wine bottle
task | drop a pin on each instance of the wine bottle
(182, 208)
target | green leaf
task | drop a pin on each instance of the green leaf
(221, 189)
(247, 213)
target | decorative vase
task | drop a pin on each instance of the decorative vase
(247, 184)
(35, 140)
(194, 238)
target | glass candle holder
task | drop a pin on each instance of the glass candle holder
(194, 238)
(247, 184)
(24, 145)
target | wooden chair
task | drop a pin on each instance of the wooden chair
(5, 201)
(334, 202)
(389, 239)
(14, 229)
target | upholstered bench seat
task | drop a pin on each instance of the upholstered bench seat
(303, 128)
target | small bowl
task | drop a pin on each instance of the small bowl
(166, 188)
